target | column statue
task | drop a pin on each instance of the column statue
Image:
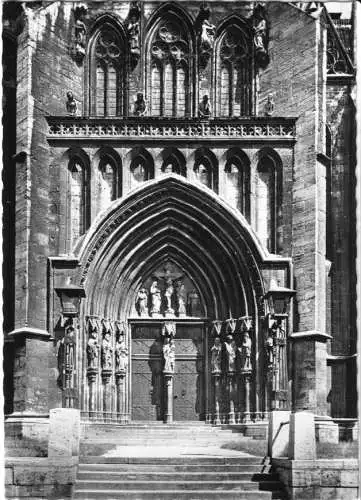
(121, 355)
(245, 353)
(93, 349)
(230, 348)
(216, 351)
(107, 352)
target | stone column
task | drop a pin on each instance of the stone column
(168, 384)
(216, 381)
(92, 378)
(107, 401)
(120, 382)
(231, 392)
(247, 397)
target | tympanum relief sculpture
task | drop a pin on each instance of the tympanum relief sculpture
(168, 293)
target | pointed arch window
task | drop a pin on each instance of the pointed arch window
(206, 168)
(107, 182)
(79, 208)
(234, 79)
(141, 171)
(174, 162)
(107, 73)
(238, 184)
(169, 72)
(268, 202)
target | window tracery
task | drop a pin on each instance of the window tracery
(107, 74)
(169, 71)
(234, 74)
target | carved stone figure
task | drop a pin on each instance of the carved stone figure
(230, 349)
(66, 356)
(133, 30)
(142, 302)
(194, 304)
(206, 32)
(140, 105)
(78, 51)
(269, 106)
(204, 107)
(168, 293)
(121, 355)
(181, 299)
(216, 351)
(269, 350)
(107, 352)
(71, 106)
(245, 353)
(207, 35)
(260, 34)
(169, 354)
(92, 349)
(155, 298)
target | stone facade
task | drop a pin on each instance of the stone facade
(177, 170)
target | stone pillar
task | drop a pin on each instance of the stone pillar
(247, 397)
(120, 382)
(231, 393)
(92, 378)
(107, 401)
(168, 384)
(216, 381)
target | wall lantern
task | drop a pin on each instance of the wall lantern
(278, 298)
(70, 297)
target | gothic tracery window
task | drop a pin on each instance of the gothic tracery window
(234, 82)
(169, 73)
(107, 74)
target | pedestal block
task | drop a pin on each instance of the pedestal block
(302, 444)
(278, 433)
(64, 432)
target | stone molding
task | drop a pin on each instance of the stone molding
(310, 335)
(30, 332)
(274, 129)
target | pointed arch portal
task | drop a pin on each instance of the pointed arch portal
(168, 229)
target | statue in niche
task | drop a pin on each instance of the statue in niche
(169, 354)
(79, 33)
(194, 304)
(181, 299)
(245, 353)
(204, 107)
(156, 298)
(230, 348)
(140, 105)
(206, 32)
(66, 356)
(121, 354)
(133, 30)
(216, 351)
(260, 30)
(107, 351)
(269, 106)
(92, 349)
(269, 349)
(142, 302)
(168, 293)
(71, 106)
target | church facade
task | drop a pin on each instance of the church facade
(179, 233)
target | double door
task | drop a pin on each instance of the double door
(147, 379)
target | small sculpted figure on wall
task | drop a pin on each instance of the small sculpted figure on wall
(181, 299)
(78, 51)
(204, 107)
(93, 349)
(169, 354)
(156, 299)
(168, 294)
(230, 351)
(260, 35)
(245, 353)
(140, 105)
(71, 106)
(133, 30)
(66, 357)
(142, 302)
(107, 352)
(206, 32)
(121, 355)
(216, 358)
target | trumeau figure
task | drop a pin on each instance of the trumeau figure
(92, 349)
(121, 355)
(230, 348)
(216, 351)
(71, 106)
(181, 299)
(107, 352)
(142, 302)
(169, 354)
(204, 107)
(245, 353)
(155, 297)
(140, 105)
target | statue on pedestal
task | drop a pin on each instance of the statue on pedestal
(156, 298)
(142, 302)
(204, 107)
(66, 356)
(71, 106)
(169, 354)
(269, 350)
(216, 351)
(92, 349)
(140, 105)
(168, 293)
(269, 106)
(121, 355)
(230, 348)
(245, 353)
(107, 352)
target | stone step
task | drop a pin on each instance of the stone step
(136, 475)
(186, 460)
(171, 468)
(96, 484)
(120, 494)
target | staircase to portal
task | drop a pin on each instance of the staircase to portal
(175, 461)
